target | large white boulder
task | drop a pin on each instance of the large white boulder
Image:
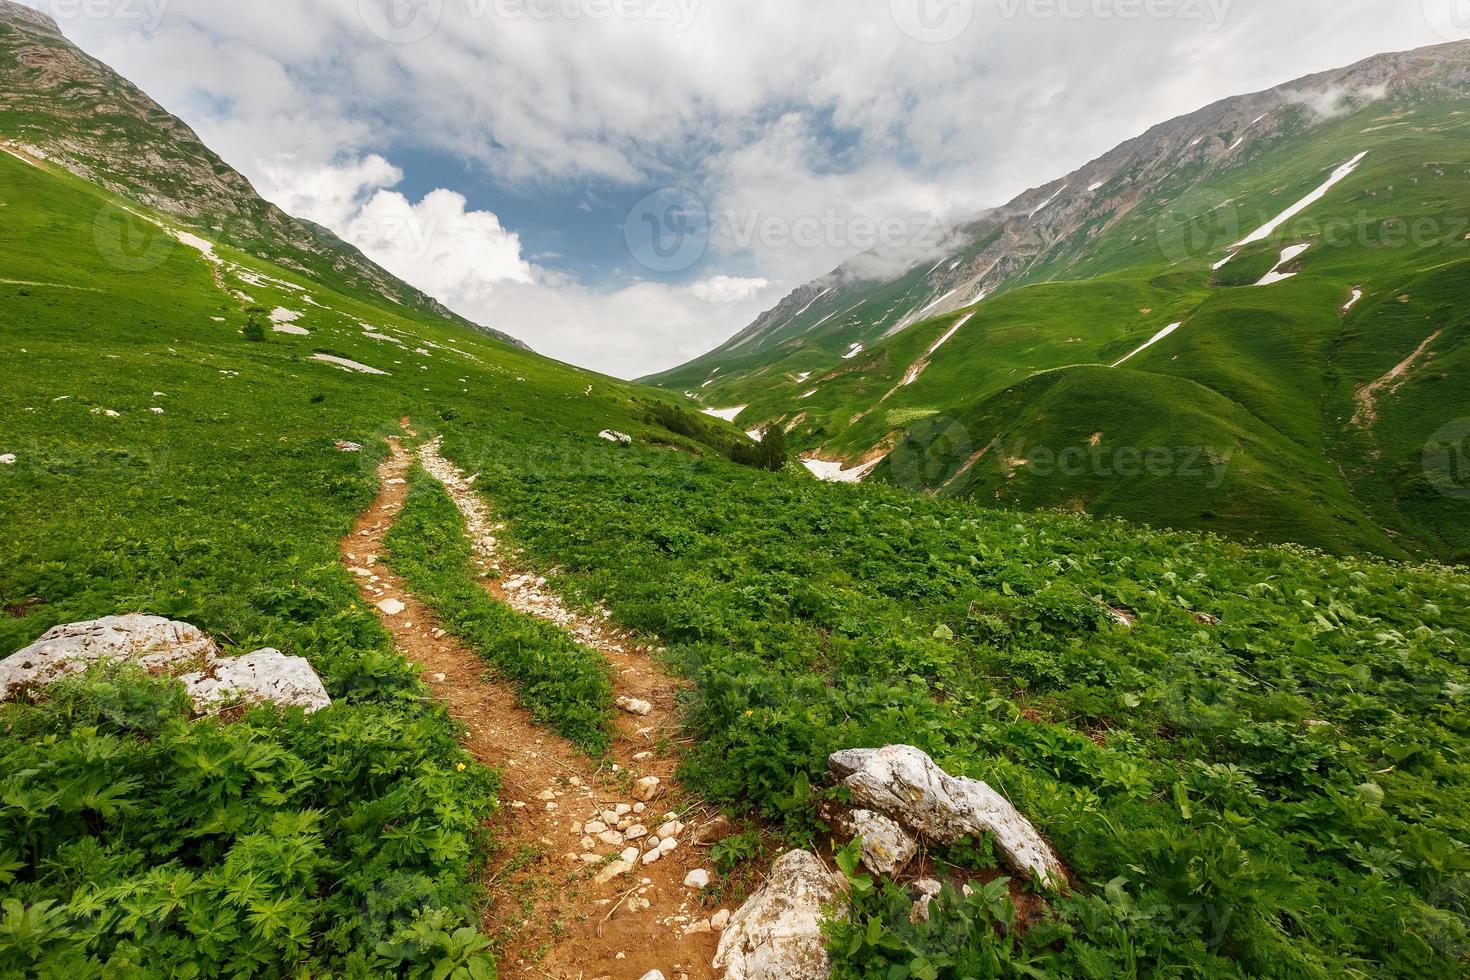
(903, 783)
(886, 848)
(777, 933)
(265, 675)
(153, 642)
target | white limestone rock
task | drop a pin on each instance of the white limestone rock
(777, 933)
(886, 848)
(154, 643)
(634, 706)
(612, 435)
(265, 675)
(903, 783)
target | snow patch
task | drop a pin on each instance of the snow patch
(1153, 340)
(1287, 254)
(1357, 295)
(852, 352)
(829, 471)
(952, 331)
(728, 414)
(194, 241)
(346, 365)
(1047, 203)
(1338, 176)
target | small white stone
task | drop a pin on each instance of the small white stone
(668, 845)
(646, 788)
(623, 809)
(634, 706)
(391, 607)
(720, 919)
(635, 832)
(7, 460)
(698, 878)
(652, 856)
(595, 827)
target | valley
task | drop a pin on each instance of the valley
(559, 615)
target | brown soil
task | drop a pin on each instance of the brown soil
(547, 914)
(1368, 395)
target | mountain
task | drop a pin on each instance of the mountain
(986, 368)
(60, 105)
(1250, 760)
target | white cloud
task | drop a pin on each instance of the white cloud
(454, 254)
(720, 290)
(783, 112)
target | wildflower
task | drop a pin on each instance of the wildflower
(459, 767)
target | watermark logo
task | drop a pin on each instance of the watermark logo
(668, 230)
(146, 13)
(933, 21)
(1199, 223)
(1447, 460)
(401, 21)
(930, 453)
(1450, 19)
(129, 242)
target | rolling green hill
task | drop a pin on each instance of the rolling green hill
(1252, 759)
(1176, 227)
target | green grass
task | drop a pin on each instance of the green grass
(564, 685)
(1282, 794)
(226, 511)
(1279, 795)
(1278, 365)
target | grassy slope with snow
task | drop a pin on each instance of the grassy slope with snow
(1282, 361)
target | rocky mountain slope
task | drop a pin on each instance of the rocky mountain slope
(1352, 182)
(59, 104)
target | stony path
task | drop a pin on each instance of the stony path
(571, 896)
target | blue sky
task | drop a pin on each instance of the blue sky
(514, 157)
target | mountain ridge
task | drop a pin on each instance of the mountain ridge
(61, 105)
(1002, 267)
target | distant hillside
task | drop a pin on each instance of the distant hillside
(1001, 340)
(59, 104)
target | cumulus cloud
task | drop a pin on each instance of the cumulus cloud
(721, 290)
(448, 251)
(783, 117)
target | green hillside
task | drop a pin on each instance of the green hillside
(1279, 366)
(1250, 758)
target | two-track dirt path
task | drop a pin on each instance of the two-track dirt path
(557, 909)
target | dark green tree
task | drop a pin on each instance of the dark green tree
(773, 451)
(254, 329)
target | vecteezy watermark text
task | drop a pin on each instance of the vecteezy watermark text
(1211, 13)
(671, 229)
(148, 13)
(409, 21)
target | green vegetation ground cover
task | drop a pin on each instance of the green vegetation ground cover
(1214, 825)
(563, 684)
(1284, 360)
(1281, 793)
(133, 843)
